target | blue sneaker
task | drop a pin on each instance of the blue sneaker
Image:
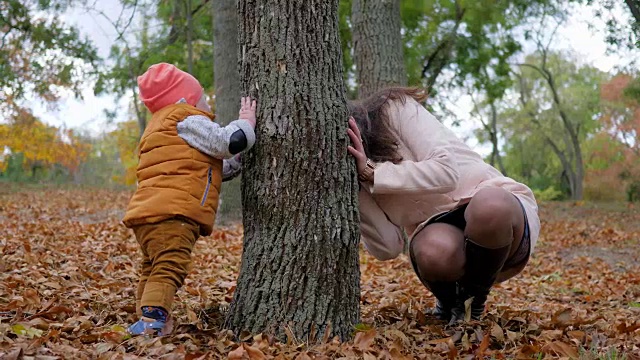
(153, 322)
(146, 326)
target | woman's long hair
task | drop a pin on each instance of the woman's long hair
(379, 142)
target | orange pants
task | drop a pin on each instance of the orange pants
(166, 260)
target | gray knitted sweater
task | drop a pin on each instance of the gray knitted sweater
(221, 142)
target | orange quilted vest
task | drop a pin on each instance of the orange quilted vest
(174, 178)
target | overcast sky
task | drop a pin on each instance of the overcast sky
(89, 112)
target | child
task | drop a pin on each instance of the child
(178, 185)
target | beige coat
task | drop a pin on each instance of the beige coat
(438, 173)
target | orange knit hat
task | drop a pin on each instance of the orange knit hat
(164, 84)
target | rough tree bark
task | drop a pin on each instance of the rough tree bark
(227, 85)
(377, 45)
(299, 268)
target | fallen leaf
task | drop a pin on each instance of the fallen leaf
(550, 335)
(579, 335)
(238, 353)
(562, 318)
(77, 243)
(438, 341)
(421, 319)
(29, 332)
(364, 339)
(512, 336)
(53, 285)
(367, 356)
(497, 333)
(254, 353)
(89, 338)
(453, 352)
(13, 354)
(195, 356)
(560, 348)
(102, 348)
(484, 345)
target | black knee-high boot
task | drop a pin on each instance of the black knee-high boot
(480, 272)
(446, 294)
(444, 291)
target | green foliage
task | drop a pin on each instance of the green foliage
(39, 53)
(19, 170)
(472, 40)
(164, 40)
(633, 90)
(548, 194)
(448, 45)
(531, 123)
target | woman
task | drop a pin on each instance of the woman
(469, 225)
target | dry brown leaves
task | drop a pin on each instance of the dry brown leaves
(68, 274)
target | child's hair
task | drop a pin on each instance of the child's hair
(379, 142)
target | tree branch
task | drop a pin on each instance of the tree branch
(634, 7)
(442, 51)
(199, 7)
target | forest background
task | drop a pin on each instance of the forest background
(548, 90)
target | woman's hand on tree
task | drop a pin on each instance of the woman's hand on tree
(357, 150)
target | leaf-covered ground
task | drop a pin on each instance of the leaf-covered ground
(68, 274)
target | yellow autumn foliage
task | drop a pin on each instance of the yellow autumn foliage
(41, 143)
(126, 136)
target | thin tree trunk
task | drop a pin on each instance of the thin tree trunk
(494, 140)
(571, 131)
(299, 268)
(227, 92)
(377, 42)
(225, 60)
(140, 113)
(573, 137)
(189, 37)
(442, 55)
(634, 7)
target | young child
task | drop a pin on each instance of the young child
(178, 184)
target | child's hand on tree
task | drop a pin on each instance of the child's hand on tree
(248, 110)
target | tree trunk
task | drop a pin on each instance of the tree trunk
(140, 112)
(189, 37)
(442, 55)
(225, 60)
(579, 186)
(495, 153)
(377, 45)
(634, 7)
(299, 268)
(227, 92)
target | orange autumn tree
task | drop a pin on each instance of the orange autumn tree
(615, 150)
(41, 145)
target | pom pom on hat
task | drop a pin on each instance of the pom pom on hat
(164, 84)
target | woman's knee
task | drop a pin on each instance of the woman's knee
(439, 253)
(491, 215)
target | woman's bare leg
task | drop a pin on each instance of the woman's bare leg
(494, 229)
(437, 253)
